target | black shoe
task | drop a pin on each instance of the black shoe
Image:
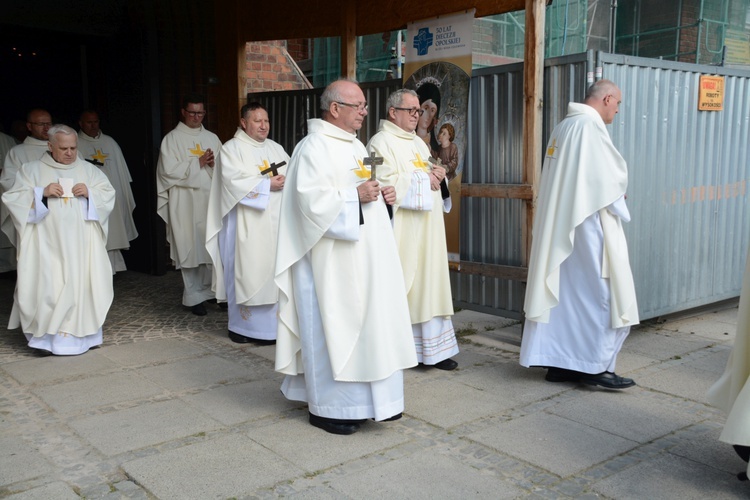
(199, 310)
(223, 305)
(241, 339)
(446, 364)
(393, 418)
(608, 380)
(742, 451)
(334, 426)
(562, 375)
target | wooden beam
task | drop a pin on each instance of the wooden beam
(511, 191)
(287, 19)
(229, 91)
(513, 273)
(349, 40)
(533, 79)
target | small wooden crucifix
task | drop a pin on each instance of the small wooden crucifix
(373, 161)
(273, 169)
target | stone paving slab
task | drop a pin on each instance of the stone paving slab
(95, 391)
(489, 422)
(235, 404)
(20, 461)
(196, 372)
(146, 425)
(228, 467)
(681, 380)
(57, 491)
(700, 443)
(52, 368)
(425, 475)
(636, 414)
(661, 345)
(558, 445)
(150, 352)
(672, 477)
(322, 450)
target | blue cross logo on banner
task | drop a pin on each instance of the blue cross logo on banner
(423, 41)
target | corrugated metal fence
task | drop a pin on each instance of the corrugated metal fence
(689, 173)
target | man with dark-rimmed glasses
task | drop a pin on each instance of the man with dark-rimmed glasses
(419, 228)
(183, 179)
(38, 123)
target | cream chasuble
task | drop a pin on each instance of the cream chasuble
(104, 150)
(237, 177)
(183, 189)
(29, 150)
(420, 234)
(731, 392)
(358, 285)
(64, 282)
(576, 183)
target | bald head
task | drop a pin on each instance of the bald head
(343, 104)
(38, 122)
(605, 97)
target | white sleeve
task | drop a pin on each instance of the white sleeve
(88, 207)
(259, 197)
(620, 209)
(40, 210)
(419, 195)
(346, 225)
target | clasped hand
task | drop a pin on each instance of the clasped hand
(55, 190)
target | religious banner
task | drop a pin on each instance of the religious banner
(438, 68)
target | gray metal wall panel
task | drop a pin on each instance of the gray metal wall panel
(689, 173)
(689, 170)
(492, 229)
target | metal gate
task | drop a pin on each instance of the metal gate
(689, 173)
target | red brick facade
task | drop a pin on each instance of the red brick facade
(269, 66)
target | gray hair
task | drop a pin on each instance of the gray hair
(59, 128)
(396, 98)
(332, 93)
(600, 89)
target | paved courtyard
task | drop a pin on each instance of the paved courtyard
(169, 408)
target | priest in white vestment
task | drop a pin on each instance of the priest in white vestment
(38, 122)
(419, 228)
(102, 151)
(183, 184)
(60, 206)
(580, 297)
(344, 334)
(731, 392)
(243, 224)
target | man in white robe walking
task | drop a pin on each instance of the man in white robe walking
(243, 223)
(344, 334)
(580, 297)
(731, 392)
(38, 122)
(102, 151)
(60, 206)
(183, 183)
(419, 228)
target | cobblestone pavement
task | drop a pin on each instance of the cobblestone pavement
(168, 407)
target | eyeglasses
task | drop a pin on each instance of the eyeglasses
(195, 113)
(411, 111)
(362, 106)
(41, 124)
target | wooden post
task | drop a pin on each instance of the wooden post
(533, 88)
(349, 40)
(229, 91)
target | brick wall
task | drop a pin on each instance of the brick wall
(268, 66)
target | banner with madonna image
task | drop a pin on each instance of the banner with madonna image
(438, 68)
